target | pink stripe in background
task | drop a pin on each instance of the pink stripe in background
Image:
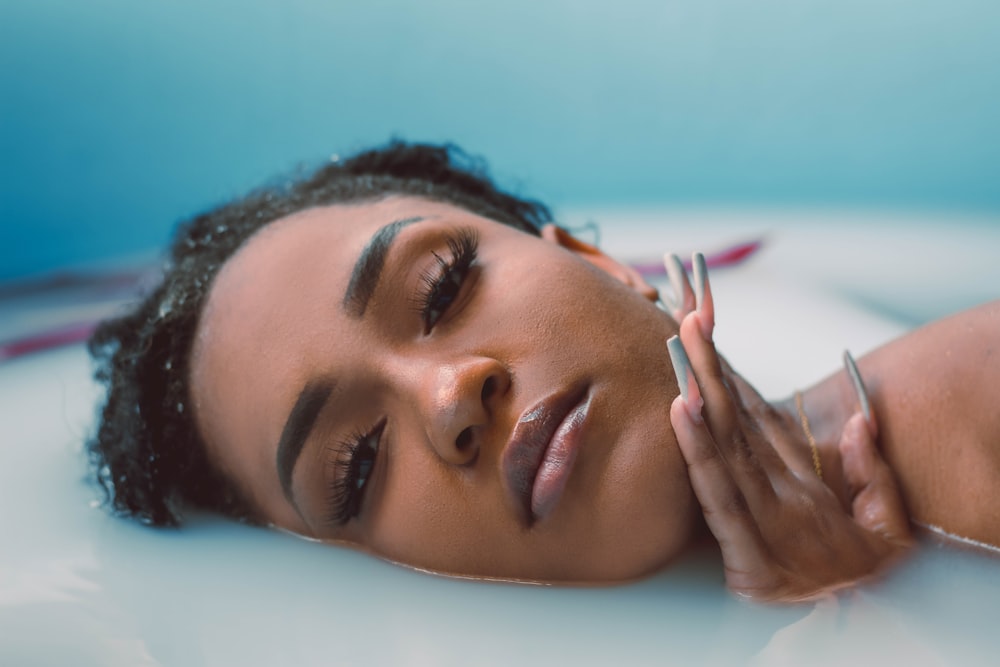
(46, 340)
(129, 284)
(730, 256)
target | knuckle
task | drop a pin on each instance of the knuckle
(704, 453)
(741, 449)
(745, 456)
(734, 504)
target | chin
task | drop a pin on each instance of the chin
(627, 538)
(623, 563)
(653, 516)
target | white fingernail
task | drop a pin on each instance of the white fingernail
(682, 365)
(700, 278)
(859, 386)
(675, 271)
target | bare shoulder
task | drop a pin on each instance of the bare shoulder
(938, 404)
(969, 343)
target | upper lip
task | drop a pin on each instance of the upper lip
(524, 453)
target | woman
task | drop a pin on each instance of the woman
(395, 355)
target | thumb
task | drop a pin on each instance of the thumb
(875, 500)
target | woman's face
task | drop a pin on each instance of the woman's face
(447, 392)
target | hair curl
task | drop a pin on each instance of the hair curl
(147, 453)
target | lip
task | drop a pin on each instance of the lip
(539, 457)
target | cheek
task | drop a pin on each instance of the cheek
(646, 511)
(663, 505)
(554, 314)
(439, 520)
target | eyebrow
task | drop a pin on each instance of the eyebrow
(302, 418)
(301, 421)
(368, 268)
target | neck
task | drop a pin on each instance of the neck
(827, 406)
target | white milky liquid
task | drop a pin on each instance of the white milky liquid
(78, 587)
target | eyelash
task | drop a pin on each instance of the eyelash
(354, 459)
(347, 491)
(441, 286)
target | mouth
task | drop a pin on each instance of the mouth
(543, 447)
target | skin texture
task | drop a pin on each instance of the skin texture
(450, 397)
(935, 394)
(534, 317)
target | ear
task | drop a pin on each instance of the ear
(592, 254)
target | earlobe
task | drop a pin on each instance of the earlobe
(626, 274)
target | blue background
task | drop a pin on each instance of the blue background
(118, 118)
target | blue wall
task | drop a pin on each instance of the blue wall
(120, 117)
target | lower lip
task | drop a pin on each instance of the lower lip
(550, 482)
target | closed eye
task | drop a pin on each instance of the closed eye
(442, 285)
(351, 474)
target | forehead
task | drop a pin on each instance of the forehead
(269, 311)
(309, 250)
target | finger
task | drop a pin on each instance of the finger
(704, 359)
(723, 504)
(876, 503)
(720, 409)
(686, 381)
(705, 303)
(733, 429)
(683, 301)
(744, 393)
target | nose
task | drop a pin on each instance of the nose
(458, 401)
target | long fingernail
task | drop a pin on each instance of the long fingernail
(859, 386)
(675, 271)
(700, 278)
(682, 365)
(685, 377)
(702, 293)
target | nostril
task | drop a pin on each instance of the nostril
(489, 388)
(464, 440)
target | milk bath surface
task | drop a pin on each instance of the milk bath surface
(80, 587)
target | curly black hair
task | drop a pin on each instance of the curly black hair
(147, 453)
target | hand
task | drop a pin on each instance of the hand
(784, 535)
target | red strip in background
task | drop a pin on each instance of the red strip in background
(726, 257)
(46, 340)
(81, 331)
